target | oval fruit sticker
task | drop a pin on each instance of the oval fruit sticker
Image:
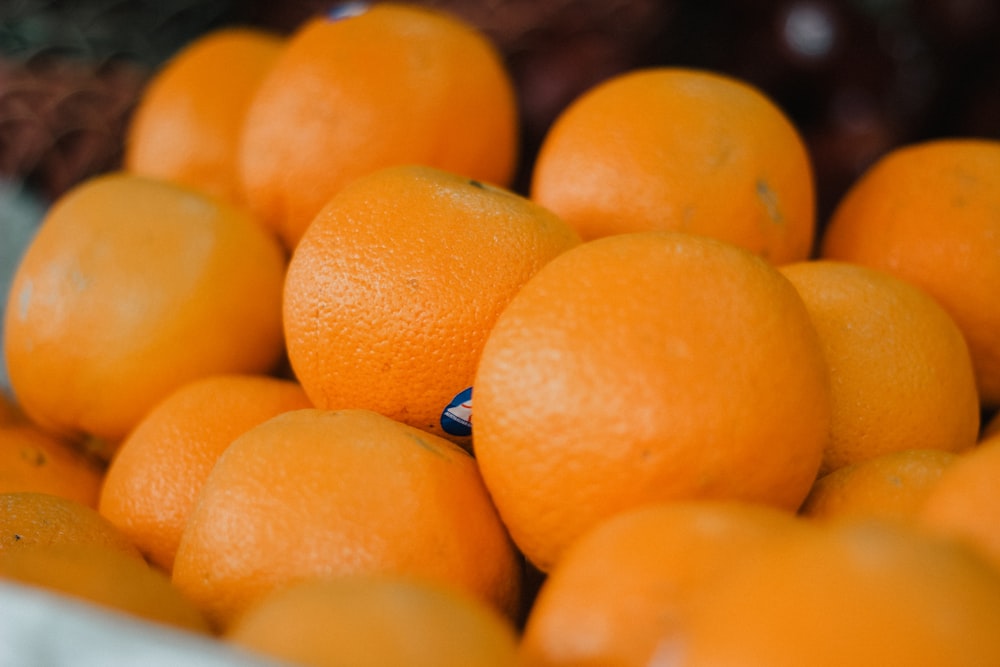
(457, 416)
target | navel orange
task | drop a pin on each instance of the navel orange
(132, 287)
(188, 123)
(353, 92)
(327, 493)
(927, 213)
(672, 148)
(153, 480)
(391, 292)
(647, 367)
(900, 370)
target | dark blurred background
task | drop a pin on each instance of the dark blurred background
(856, 76)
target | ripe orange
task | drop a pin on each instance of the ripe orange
(928, 214)
(33, 519)
(130, 288)
(394, 287)
(10, 413)
(859, 593)
(647, 367)
(964, 503)
(316, 493)
(33, 460)
(900, 370)
(189, 120)
(153, 480)
(889, 486)
(376, 621)
(680, 149)
(395, 84)
(104, 576)
(622, 590)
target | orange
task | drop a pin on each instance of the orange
(107, 577)
(394, 287)
(680, 149)
(964, 503)
(10, 413)
(861, 593)
(32, 519)
(130, 288)
(315, 493)
(900, 369)
(33, 460)
(889, 486)
(621, 591)
(153, 480)
(927, 213)
(376, 621)
(393, 84)
(645, 367)
(188, 122)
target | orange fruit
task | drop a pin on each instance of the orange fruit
(964, 503)
(315, 493)
(390, 294)
(104, 576)
(188, 122)
(927, 213)
(10, 413)
(32, 519)
(393, 84)
(860, 593)
(888, 486)
(378, 621)
(621, 591)
(33, 460)
(130, 288)
(152, 482)
(647, 367)
(670, 148)
(900, 370)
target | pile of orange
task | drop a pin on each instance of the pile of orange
(308, 378)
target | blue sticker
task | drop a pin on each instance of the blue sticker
(347, 10)
(457, 416)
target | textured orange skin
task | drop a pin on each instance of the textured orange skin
(33, 460)
(928, 214)
(678, 149)
(391, 293)
(900, 369)
(647, 367)
(188, 124)
(375, 621)
(318, 493)
(154, 478)
(32, 519)
(859, 593)
(395, 85)
(131, 288)
(889, 486)
(623, 589)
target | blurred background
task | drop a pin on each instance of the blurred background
(856, 76)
